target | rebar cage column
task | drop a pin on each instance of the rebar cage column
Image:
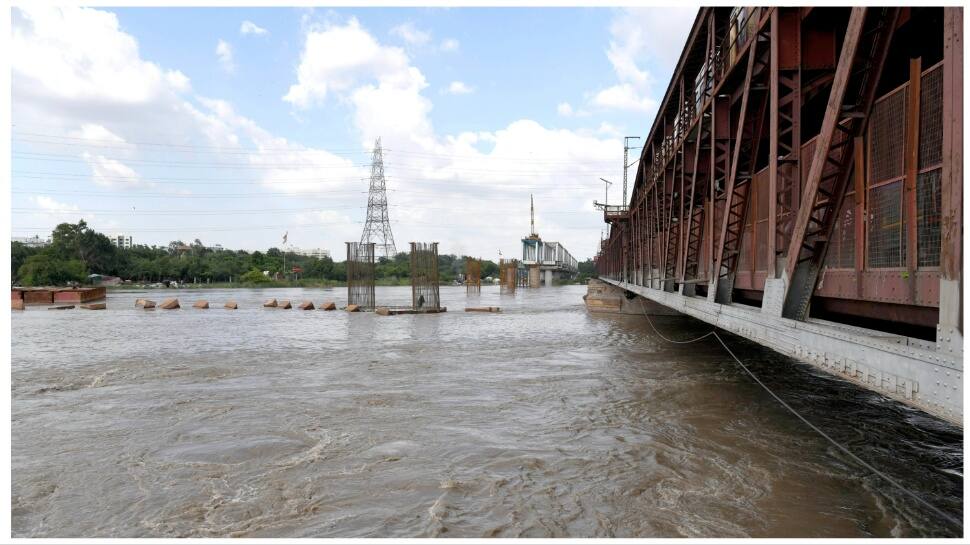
(360, 275)
(424, 276)
(508, 272)
(473, 275)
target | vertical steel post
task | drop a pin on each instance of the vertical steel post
(950, 332)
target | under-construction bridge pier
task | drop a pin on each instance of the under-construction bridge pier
(802, 186)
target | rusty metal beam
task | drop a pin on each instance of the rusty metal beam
(911, 160)
(729, 188)
(773, 144)
(819, 207)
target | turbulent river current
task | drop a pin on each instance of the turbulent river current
(541, 421)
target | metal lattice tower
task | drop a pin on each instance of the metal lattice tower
(377, 229)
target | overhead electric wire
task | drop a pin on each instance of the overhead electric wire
(292, 165)
(191, 146)
(212, 229)
(81, 141)
(33, 175)
(186, 212)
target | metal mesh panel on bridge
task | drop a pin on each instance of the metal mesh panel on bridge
(473, 275)
(886, 234)
(928, 210)
(360, 275)
(887, 129)
(886, 241)
(424, 276)
(928, 189)
(931, 119)
(841, 250)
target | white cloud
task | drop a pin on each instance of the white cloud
(644, 46)
(48, 204)
(249, 27)
(52, 212)
(564, 109)
(624, 97)
(459, 88)
(337, 58)
(111, 172)
(97, 133)
(411, 34)
(178, 81)
(80, 54)
(654, 36)
(449, 44)
(224, 54)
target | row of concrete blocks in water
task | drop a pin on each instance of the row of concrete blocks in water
(172, 304)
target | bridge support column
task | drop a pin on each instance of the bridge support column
(535, 279)
(548, 277)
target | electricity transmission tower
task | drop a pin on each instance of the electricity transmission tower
(377, 228)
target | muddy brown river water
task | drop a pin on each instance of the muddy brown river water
(541, 421)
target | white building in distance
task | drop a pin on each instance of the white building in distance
(32, 242)
(318, 253)
(121, 240)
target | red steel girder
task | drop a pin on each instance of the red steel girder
(863, 55)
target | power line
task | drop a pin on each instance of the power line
(168, 212)
(209, 229)
(190, 146)
(35, 175)
(73, 158)
(79, 141)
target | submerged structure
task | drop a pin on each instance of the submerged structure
(802, 186)
(361, 275)
(508, 273)
(424, 276)
(473, 275)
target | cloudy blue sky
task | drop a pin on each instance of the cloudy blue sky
(234, 126)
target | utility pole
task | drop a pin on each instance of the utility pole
(606, 198)
(626, 157)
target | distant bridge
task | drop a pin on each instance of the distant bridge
(548, 259)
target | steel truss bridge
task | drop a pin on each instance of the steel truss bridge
(801, 186)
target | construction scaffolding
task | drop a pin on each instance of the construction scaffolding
(508, 275)
(424, 276)
(473, 275)
(360, 275)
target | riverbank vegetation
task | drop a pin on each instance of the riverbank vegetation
(77, 251)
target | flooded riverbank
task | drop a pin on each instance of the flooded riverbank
(541, 421)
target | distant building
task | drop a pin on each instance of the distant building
(32, 242)
(318, 253)
(121, 240)
(214, 248)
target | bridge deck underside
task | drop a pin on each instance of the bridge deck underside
(899, 367)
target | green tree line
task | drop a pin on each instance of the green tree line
(77, 251)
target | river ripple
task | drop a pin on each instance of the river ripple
(542, 421)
